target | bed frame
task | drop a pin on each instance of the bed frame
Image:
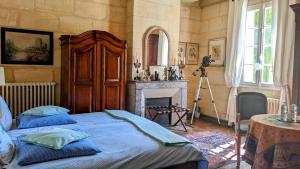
(188, 165)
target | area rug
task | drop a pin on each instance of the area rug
(218, 148)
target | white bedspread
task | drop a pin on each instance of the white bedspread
(122, 146)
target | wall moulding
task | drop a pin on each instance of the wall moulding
(204, 3)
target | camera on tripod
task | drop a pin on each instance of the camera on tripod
(206, 61)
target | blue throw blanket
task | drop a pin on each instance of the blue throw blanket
(150, 128)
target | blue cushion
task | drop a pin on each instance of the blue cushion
(31, 153)
(40, 121)
(55, 138)
(46, 111)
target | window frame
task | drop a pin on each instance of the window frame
(260, 45)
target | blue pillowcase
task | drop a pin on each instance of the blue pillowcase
(25, 121)
(55, 138)
(31, 154)
(45, 111)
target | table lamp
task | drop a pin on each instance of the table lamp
(2, 76)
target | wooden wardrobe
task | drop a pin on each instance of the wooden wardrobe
(93, 72)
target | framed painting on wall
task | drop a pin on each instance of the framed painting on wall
(19, 46)
(216, 49)
(192, 54)
(181, 52)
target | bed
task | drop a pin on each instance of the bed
(122, 145)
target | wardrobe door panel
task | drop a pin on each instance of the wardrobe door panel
(84, 66)
(83, 99)
(113, 59)
(83, 79)
(112, 101)
(113, 64)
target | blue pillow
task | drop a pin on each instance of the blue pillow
(45, 111)
(25, 121)
(55, 138)
(31, 153)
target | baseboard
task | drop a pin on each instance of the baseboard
(224, 123)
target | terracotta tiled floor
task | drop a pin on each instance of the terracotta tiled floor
(213, 127)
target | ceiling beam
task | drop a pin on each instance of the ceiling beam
(188, 1)
(204, 3)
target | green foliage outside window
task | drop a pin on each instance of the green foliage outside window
(268, 16)
(267, 55)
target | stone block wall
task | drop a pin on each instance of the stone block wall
(60, 17)
(212, 25)
(190, 31)
(148, 13)
(129, 20)
(209, 22)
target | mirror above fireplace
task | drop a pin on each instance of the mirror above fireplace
(156, 47)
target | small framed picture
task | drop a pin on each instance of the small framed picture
(216, 49)
(20, 46)
(181, 52)
(192, 54)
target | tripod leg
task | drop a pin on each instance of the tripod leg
(213, 100)
(197, 98)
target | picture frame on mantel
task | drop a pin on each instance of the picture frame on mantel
(192, 54)
(217, 51)
(26, 47)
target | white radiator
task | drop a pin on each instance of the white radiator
(273, 105)
(23, 96)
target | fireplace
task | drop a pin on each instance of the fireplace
(163, 101)
(141, 93)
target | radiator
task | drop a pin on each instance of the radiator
(273, 105)
(23, 96)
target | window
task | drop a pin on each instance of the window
(258, 63)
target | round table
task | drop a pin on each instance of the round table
(271, 143)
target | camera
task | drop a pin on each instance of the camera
(206, 61)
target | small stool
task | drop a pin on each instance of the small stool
(161, 110)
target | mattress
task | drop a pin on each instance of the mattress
(122, 145)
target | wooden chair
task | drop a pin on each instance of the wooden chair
(248, 104)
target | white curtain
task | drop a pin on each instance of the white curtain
(235, 52)
(283, 46)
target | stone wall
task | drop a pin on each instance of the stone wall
(190, 30)
(60, 17)
(208, 23)
(129, 20)
(148, 13)
(213, 25)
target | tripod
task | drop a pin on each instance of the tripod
(198, 97)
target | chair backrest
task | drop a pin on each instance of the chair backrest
(251, 103)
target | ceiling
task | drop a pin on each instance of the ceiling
(202, 3)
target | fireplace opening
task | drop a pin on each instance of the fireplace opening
(164, 119)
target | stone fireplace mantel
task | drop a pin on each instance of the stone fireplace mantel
(139, 91)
